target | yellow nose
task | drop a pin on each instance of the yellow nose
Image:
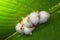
(22, 27)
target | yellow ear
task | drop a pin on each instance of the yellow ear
(21, 22)
(28, 19)
(38, 16)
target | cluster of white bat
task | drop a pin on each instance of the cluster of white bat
(27, 25)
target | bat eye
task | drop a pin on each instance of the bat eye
(22, 28)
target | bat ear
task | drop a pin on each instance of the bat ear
(31, 33)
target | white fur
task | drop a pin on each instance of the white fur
(44, 16)
(34, 18)
(26, 30)
(18, 28)
(27, 24)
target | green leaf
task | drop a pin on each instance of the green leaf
(12, 11)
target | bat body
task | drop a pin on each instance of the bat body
(27, 25)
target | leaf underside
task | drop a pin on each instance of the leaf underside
(12, 11)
